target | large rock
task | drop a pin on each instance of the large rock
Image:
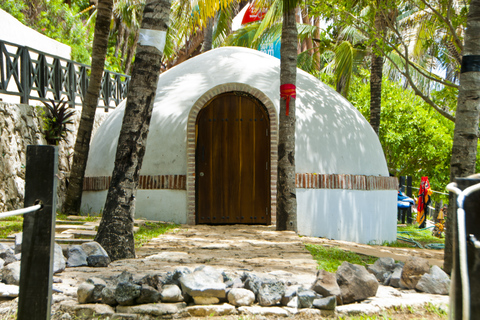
(98, 261)
(327, 303)
(59, 262)
(270, 292)
(76, 256)
(11, 273)
(96, 255)
(306, 297)
(326, 285)
(126, 293)
(290, 295)
(90, 290)
(8, 256)
(436, 282)
(108, 296)
(148, 295)
(241, 297)
(205, 281)
(355, 282)
(382, 268)
(171, 293)
(395, 277)
(413, 270)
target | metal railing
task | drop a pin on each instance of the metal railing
(34, 75)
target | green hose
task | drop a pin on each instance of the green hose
(436, 246)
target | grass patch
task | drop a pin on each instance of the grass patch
(412, 233)
(330, 258)
(150, 230)
(10, 225)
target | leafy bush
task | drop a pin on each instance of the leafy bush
(55, 121)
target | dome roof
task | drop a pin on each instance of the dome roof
(331, 135)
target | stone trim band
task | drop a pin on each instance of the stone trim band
(302, 181)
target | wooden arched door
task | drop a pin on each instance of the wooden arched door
(232, 170)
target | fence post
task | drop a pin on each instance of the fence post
(36, 271)
(472, 224)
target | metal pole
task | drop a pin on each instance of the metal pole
(471, 206)
(36, 271)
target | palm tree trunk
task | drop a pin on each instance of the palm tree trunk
(376, 72)
(82, 144)
(208, 39)
(465, 136)
(286, 190)
(115, 232)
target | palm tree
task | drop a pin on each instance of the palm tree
(286, 189)
(82, 144)
(115, 232)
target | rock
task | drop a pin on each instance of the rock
(290, 293)
(327, 303)
(209, 311)
(87, 311)
(413, 270)
(59, 263)
(108, 296)
(125, 276)
(306, 297)
(262, 311)
(8, 256)
(436, 282)
(326, 285)
(173, 278)
(76, 256)
(394, 280)
(152, 280)
(93, 248)
(85, 292)
(126, 293)
(355, 282)
(99, 284)
(156, 309)
(148, 295)
(8, 290)
(205, 281)
(241, 297)
(18, 242)
(200, 300)
(382, 268)
(270, 292)
(294, 303)
(251, 282)
(11, 273)
(171, 293)
(98, 261)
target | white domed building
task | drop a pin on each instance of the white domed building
(211, 154)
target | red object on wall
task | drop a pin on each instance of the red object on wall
(253, 14)
(288, 91)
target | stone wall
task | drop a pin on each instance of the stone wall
(21, 125)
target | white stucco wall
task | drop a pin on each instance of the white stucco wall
(351, 215)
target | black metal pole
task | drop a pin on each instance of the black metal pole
(36, 271)
(472, 225)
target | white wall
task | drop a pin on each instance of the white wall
(350, 215)
(165, 205)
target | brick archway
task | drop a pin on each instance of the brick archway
(197, 106)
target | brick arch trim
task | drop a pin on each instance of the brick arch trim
(192, 118)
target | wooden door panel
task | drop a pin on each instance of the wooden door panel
(232, 161)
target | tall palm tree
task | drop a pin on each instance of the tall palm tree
(286, 189)
(82, 144)
(115, 232)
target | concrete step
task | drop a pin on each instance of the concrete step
(80, 233)
(63, 227)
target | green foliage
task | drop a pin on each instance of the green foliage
(416, 140)
(15, 8)
(55, 121)
(330, 258)
(423, 236)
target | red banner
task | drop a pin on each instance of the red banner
(253, 14)
(288, 91)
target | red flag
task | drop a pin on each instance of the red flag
(253, 14)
